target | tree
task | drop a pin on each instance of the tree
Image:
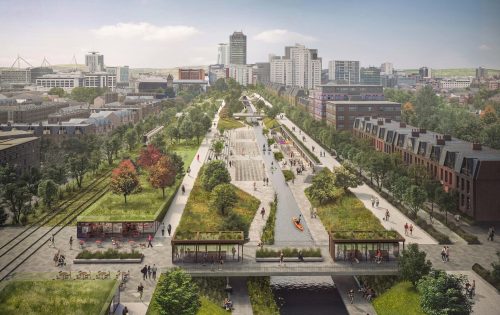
(173, 132)
(412, 264)
(415, 197)
(380, 164)
(419, 174)
(344, 178)
(84, 94)
(149, 156)
(77, 166)
(491, 135)
(447, 201)
(124, 179)
(162, 174)
(399, 187)
(272, 112)
(198, 131)
(217, 147)
(323, 187)
(57, 91)
(116, 144)
(444, 294)
(108, 150)
(131, 138)
(186, 129)
(177, 294)
(223, 198)
(17, 197)
(489, 115)
(426, 104)
(47, 190)
(178, 163)
(215, 173)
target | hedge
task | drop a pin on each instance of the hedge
(288, 252)
(268, 232)
(108, 254)
(486, 275)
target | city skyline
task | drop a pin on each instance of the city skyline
(147, 33)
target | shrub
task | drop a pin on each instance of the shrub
(289, 175)
(278, 156)
(486, 275)
(261, 296)
(108, 254)
(288, 252)
(234, 222)
(268, 232)
(271, 141)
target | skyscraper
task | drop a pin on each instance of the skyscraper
(94, 61)
(238, 48)
(343, 71)
(424, 72)
(299, 67)
(386, 68)
(223, 54)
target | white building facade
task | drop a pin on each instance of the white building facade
(243, 74)
(386, 68)
(223, 54)
(299, 67)
(344, 71)
(448, 84)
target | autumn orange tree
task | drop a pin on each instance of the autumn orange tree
(149, 156)
(124, 179)
(162, 174)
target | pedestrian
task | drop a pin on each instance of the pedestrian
(71, 242)
(163, 229)
(491, 233)
(154, 269)
(282, 258)
(198, 157)
(351, 295)
(443, 254)
(373, 201)
(53, 241)
(411, 229)
(262, 212)
(188, 171)
(376, 202)
(125, 311)
(169, 229)
(150, 238)
(254, 186)
(150, 272)
(56, 258)
(473, 288)
(221, 262)
(183, 189)
(406, 228)
(447, 253)
(233, 250)
(144, 272)
(140, 289)
(267, 181)
(387, 215)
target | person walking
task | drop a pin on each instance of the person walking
(233, 251)
(53, 241)
(411, 229)
(373, 201)
(443, 254)
(351, 295)
(262, 212)
(163, 229)
(150, 239)
(125, 311)
(149, 272)
(447, 253)
(140, 289)
(183, 189)
(376, 202)
(169, 229)
(154, 270)
(71, 242)
(282, 258)
(144, 272)
(198, 157)
(406, 228)
(387, 214)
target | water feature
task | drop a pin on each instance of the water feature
(307, 295)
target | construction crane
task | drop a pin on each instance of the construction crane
(45, 63)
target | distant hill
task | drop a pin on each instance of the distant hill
(457, 72)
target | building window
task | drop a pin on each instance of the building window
(468, 186)
(353, 108)
(340, 108)
(462, 200)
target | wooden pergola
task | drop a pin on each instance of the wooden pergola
(362, 245)
(207, 246)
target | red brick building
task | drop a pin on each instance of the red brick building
(468, 168)
(191, 74)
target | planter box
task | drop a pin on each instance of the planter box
(108, 261)
(289, 259)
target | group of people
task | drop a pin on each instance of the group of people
(149, 272)
(59, 259)
(375, 202)
(368, 293)
(470, 289)
(445, 254)
(266, 181)
(169, 228)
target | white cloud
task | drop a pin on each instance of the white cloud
(282, 36)
(146, 31)
(484, 47)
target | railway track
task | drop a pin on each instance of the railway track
(34, 242)
(35, 226)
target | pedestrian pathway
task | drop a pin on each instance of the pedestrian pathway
(359, 305)
(240, 298)
(364, 193)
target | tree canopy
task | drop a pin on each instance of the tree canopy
(124, 179)
(177, 294)
(323, 187)
(214, 173)
(412, 264)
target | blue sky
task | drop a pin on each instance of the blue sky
(164, 33)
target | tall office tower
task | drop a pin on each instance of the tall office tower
(424, 72)
(299, 67)
(238, 48)
(481, 73)
(344, 71)
(370, 75)
(223, 54)
(94, 61)
(386, 68)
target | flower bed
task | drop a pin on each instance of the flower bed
(287, 252)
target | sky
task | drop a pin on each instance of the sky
(165, 34)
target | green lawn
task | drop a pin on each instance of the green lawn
(270, 123)
(402, 298)
(210, 308)
(187, 150)
(198, 216)
(262, 296)
(145, 205)
(347, 213)
(229, 123)
(53, 297)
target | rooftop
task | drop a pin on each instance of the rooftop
(9, 143)
(363, 103)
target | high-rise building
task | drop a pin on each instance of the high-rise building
(238, 48)
(386, 68)
(370, 75)
(481, 73)
(299, 67)
(94, 61)
(243, 74)
(122, 73)
(223, 54)
(344, 71)
(262, 72)
(424, 72)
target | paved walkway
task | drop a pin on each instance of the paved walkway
(240, 298)
(360, 305)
